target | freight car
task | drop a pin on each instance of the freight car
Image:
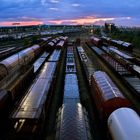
(106, 40)
(15, 85)
(126, 59)
(50, 45)
(129, 73)
(55, 40)
(70, 61)
(40, 61)
(124, 124)
(122, 45)
(55, 56)
(96, 41)
(72, 122)
(24, 57)
(46, 39)
(56, 43)
(28, 118)
(118, 43)
(106, 95)
(71, 89)
(121, 54)
(86, 63)
(4, 100)
(11, 91)
(70, 65)
(60, 44)
(7, 51)
(72, 118)
(123, 58)
(82, 54)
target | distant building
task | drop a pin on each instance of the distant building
(110, 27)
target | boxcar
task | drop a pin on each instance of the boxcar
(71, 89)
(55, 56)
(60, 44)
(70, 65)
(17, 87)
(96, 41)
(70, 61)
(122, 45)
(106, 94)
(50, 45)
(72, 123)
(28, 118)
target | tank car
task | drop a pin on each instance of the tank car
(13, 62)
(124, 124)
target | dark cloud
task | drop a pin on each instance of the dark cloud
(45, 10)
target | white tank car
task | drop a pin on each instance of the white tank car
(124, 124)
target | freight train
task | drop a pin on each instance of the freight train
(70, 61)
(130, 61)
(86, 63)
(112, 106)
(13, 80)
(56, 43)
(29, 116)
(11, 91)
(123, 64)
(122, 45)
(72, 121)
(106, 41)
(114, 109)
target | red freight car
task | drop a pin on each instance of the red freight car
(106, 95)
(96, 41)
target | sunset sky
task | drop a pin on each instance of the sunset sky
(73, 12)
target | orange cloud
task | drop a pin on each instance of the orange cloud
(86, 20)
(21, 23)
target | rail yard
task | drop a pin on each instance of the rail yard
(70, 87)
